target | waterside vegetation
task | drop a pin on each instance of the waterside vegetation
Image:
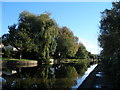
(109, 39)
(38, 37)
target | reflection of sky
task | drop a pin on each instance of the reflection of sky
(0, 85)
(81, 79)
(2, 80)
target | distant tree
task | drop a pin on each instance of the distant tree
(82, 52)
(66, 43)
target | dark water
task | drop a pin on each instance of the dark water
(45, 76)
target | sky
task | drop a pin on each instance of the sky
(82, 18)
(58, 0)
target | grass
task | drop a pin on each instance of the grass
(1, 53)
(13, 59)
(72, 60)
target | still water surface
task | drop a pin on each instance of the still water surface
(45, 76)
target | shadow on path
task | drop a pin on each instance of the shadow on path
(97, 79)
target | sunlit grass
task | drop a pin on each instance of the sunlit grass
(73, 60)
(13, 59)
(1, 53)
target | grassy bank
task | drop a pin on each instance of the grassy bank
(13, 59)
(74, 60)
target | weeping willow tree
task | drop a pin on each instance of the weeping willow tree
(33, 34)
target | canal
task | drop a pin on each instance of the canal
(70, 75)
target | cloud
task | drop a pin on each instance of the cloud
(90, 46)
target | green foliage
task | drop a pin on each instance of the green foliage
(82, 52)
(39, 37)
(109, 39)
(7, 53)
(33, 34)
(66, 43)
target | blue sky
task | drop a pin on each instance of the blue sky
(80, 17)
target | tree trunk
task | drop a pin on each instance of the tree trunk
(20, 54)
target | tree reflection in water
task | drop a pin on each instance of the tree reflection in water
(44, 76)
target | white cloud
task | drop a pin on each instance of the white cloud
(91, 47)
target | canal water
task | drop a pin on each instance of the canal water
(45, 76)
(81, 79)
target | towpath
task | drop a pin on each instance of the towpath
(97, 79)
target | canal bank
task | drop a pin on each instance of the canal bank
(18, 63)
(97, 79)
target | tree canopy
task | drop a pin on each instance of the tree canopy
(33, 33)
(82, 52)
(39, 37)
(109, 38)
(67, 46)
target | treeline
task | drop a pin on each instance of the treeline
(39, 37)
(109, 39)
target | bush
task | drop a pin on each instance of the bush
(7, 53)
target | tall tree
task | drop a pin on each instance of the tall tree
(33, 34)
(67, 43)
(109, 38)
